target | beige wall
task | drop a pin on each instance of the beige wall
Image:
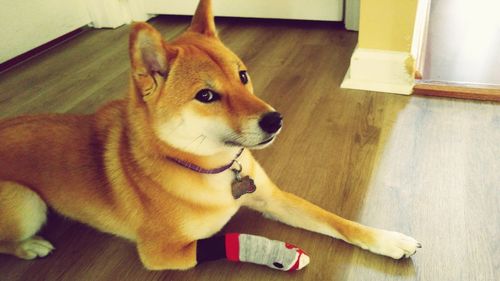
(387, 24)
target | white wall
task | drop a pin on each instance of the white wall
(330, 10)
(27, 24)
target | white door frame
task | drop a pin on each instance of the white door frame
(419, 40)
(351, 18)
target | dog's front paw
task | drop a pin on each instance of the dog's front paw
(394, 244)
(35, 247)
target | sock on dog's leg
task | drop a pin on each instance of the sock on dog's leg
(254, 249)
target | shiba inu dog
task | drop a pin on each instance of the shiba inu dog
(166, 167)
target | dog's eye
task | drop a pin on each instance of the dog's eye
(243, 76)
(207, 96)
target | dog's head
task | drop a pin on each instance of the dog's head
(197, 94)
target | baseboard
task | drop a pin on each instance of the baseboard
(380, 71)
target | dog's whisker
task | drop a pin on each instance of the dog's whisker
(193, 141)
(202, 140)
(177, 126)
(249, 133)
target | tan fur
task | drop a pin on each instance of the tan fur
(111, 170)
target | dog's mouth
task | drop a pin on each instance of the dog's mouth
(266, 141)
(235, 143)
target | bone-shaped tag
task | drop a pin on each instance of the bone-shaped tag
(242, 185)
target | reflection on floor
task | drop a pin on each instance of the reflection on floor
(440, 163)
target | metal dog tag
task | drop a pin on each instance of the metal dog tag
(241, 185)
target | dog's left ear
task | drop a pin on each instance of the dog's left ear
(203, 20)
(149, 57)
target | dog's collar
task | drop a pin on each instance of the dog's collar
(201, 170)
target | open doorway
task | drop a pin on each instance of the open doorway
(461, 50)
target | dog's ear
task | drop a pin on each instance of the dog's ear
(149, 57)
(203, 20)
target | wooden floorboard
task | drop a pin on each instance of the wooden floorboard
(426, 167)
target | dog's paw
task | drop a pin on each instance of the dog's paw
(394, 244)
(33, 248)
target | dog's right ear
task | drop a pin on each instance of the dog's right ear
(203, 19)
(149, 57)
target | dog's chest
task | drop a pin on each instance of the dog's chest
(199, 226)
(216, 203)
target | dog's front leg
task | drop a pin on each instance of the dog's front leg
(295, 211)
(157, 254)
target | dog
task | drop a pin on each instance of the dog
(159, 167)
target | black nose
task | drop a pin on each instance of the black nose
(271, 122)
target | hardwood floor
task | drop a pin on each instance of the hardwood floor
(426, 167)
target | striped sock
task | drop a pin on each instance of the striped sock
(254, 249)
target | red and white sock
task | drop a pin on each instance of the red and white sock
(260, 250)
(254, 249)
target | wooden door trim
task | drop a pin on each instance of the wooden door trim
(457, 90)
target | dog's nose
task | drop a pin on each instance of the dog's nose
(271, 122)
